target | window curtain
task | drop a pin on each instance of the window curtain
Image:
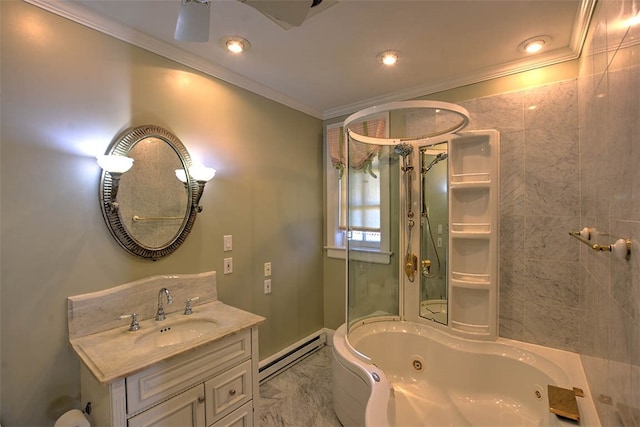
(365, 193)
(360, 155)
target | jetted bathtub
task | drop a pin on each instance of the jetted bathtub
(397, 373)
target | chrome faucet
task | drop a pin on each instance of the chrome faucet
(160, 314)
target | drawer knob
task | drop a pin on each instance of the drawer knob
(201, 399)
(232, 392)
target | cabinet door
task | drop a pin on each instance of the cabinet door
(183, 410)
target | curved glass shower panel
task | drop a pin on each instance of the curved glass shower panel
(434, 232)
(379, 214)
(370, 214)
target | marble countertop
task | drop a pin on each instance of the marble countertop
(116, 353)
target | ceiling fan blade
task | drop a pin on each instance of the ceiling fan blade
(193, 21)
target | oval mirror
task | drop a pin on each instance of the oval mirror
(148, 210)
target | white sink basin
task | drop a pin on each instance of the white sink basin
(168, 334)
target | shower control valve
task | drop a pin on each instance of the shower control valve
(426, 266)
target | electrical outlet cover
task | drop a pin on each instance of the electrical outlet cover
(228, 265)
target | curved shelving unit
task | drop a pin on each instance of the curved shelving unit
(474, 177)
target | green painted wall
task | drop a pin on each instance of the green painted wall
(67, 91)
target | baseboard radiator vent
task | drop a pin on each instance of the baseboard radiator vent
(291, 355)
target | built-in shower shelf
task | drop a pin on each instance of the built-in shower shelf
(470, 328)
(470, 278)
(485, 235)
(470, 179)
(470, 284)
(471, 228)
(471, 235)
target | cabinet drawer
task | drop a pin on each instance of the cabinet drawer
(169, 377)
(241, 417)
(228, 391)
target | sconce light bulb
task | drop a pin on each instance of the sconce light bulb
(202, 173)
(115, 164)
(181, 175)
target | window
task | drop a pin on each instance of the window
(368, 178)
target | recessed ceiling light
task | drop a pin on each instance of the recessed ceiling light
(389, 57)
(534, 44)
(235, 44)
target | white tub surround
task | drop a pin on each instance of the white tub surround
(180, 365)
(432, 377)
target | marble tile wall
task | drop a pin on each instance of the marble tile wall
(539, 204)
(609, 114)
(569, 158)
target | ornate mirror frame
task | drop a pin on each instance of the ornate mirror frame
(121, 146)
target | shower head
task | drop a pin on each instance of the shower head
(403, 149)
(440, 157)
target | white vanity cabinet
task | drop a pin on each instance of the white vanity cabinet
(211, 385)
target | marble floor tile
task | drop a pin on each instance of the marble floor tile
(300, 396)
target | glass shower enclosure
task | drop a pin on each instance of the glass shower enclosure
(395, 204)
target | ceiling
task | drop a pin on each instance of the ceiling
(327, 67)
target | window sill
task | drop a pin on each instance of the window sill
(368, 255)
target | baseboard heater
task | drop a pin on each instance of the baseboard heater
(280, 361)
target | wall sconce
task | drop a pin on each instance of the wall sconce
(202, 175)
(115, 165)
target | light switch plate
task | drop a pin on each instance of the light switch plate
(228, 242)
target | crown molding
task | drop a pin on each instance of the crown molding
(551, 58)
(83, 16)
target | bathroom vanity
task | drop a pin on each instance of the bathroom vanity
(197, 369)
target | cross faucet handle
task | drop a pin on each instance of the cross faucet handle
(135, 325)
(188, 309)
